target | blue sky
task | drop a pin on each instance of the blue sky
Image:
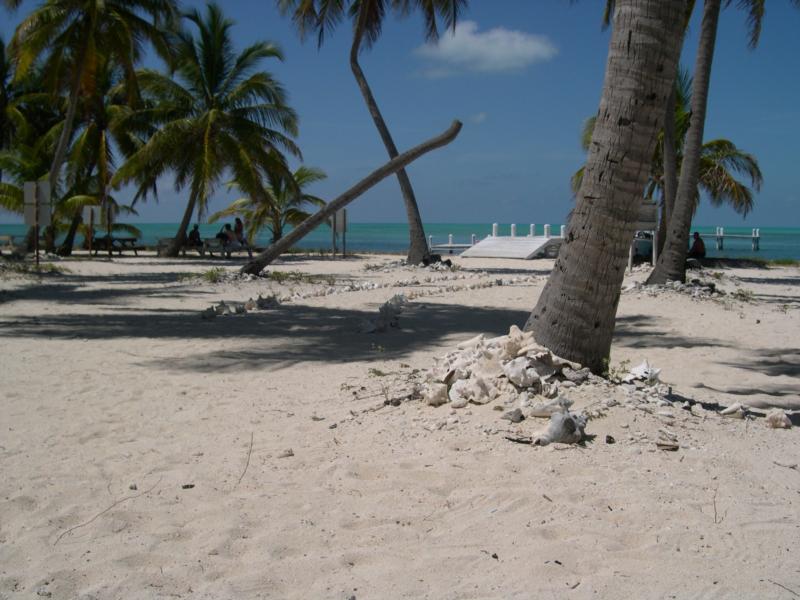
(522, 76)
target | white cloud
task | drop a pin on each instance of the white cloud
(478, 118)
(498, 49)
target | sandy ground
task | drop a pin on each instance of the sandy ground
(144, 450)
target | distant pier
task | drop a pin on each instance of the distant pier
(754, 237)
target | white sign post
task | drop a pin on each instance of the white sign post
(340, 226)
(36, 199)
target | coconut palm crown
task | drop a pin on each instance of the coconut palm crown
(217, 114)
(721, 161)
(275, 201)
(69, 39)
(367, 16)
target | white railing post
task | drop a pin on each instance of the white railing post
(655, 247)
(533, 230)
(450, 238)
(547, 231)
(630, 258)
(474, 238)
(563, 231)
(430, 242)
(494, 229)
(513, 230)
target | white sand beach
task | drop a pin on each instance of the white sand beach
(148, 453)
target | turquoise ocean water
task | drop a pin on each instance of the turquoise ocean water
(776, 242)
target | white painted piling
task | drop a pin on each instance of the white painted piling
(513, 230)
(474, 239)
(532, 230)
(495, 228)
(563, 231)
(547, 231)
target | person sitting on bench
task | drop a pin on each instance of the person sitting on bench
(698, 249)
(193, 239)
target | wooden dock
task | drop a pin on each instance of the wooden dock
(754, 237)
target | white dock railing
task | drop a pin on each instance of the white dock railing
(754, 237)
(451, 245)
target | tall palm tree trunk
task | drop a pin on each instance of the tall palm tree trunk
(66, 132)
(575, 314)
(672, 263)
(178, 241)
(255, 266)
(65, 249)
(670, 159)
(418, 250)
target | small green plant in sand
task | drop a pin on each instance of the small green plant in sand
(743, 295)
(213, 275)
(377, 372)
(615, 373)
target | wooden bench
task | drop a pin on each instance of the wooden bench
(210, 245)
(117, 244)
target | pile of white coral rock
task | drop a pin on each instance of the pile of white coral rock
(388, 315)
(512, 369)
(697, 289)
(239, 308)
(509, 367)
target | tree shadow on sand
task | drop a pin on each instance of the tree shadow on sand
(272, 339)
(650, 331)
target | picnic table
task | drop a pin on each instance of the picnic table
(117, 244)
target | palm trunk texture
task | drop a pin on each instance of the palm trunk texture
(255, 266)
(65, 249)
(418, 246)
(575, 314)
(672, 263)
(179, 240)
(670, 161)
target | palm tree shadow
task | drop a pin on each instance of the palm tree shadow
(273, 339)
(648, 331)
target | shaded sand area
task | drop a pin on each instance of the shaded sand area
(147, 453)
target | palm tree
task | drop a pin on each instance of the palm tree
(217, 114)
(575, 314)
(367, 16)
(69, 39)
(671, 264)
(259, 263)
(720, 161)
(667, 145)
(11, 117)
(98, 139)
(274, 201)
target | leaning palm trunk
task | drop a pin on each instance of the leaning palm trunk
(418, 250)
(672, 263)
(670, 159)
(575, 314)
(255, 266)
(179, 240)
